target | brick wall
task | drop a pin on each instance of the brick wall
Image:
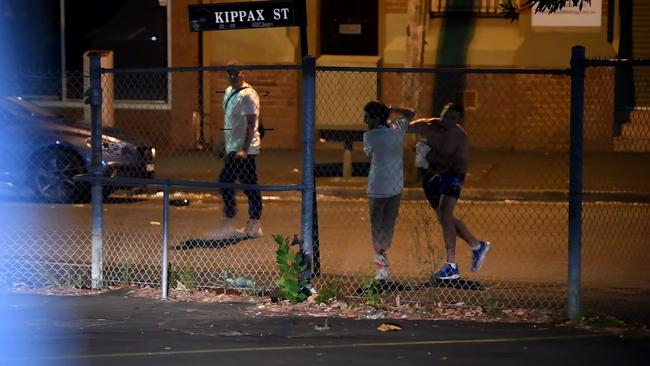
(514, 112)
(396, 6)
(517, 112)
(185, 86)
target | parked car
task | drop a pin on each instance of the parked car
(42, 151)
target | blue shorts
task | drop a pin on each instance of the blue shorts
(436, 185)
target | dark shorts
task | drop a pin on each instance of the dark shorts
(436, 185)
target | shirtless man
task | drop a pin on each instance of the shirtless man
(442, 158)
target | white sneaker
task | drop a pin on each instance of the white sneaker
(381, 267)
(253, 229)
(226, 231)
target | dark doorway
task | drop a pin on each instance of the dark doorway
(349, 27)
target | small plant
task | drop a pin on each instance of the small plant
(68, 280)
(371, 293)
(180, 279)
(491, 307)
(125, 274)
(79, 280)
(597, 321)
(172, 276)
(426, 252)
(187, 279)
(291, 266)
(331, 290)
(54, 281)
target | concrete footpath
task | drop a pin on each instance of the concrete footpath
(492, 174)
(113, 329)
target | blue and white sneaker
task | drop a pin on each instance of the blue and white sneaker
(479, 254)
(448, 272)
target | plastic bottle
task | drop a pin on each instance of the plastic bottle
(240, 282)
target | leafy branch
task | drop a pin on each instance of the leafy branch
(290, 264)
(511, 9)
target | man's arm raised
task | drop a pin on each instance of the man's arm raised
(421, 125)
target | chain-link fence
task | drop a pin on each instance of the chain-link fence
(41, 151)
(513, 191)
(512, 121)
(615, 231)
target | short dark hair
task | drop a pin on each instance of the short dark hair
(234, 66)
(456, 107)
(234, 62)
(377, 109)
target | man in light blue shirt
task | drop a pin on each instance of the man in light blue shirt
(383, 143)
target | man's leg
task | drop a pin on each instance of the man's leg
(376, 210)
(446, 217)
(248, 175)
(480, 249)
(445, 213)
(391, 211)
(463, 232)
(227, 175)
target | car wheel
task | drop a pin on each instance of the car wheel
(53, 181)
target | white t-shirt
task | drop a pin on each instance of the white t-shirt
(385, 147)
(245, 102)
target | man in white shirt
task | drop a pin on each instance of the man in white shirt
(383, 143)
(241, 105)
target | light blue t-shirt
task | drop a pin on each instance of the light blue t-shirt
(385, 147)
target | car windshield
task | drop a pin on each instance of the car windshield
(21, 108)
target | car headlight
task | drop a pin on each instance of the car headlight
(110, 145)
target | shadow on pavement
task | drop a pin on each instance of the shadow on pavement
(458, 283)
(210, 243)
(382, 286)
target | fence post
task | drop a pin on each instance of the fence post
(575, 179)
(309, 102)
(165, 242)
(94, 94)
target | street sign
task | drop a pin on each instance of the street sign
(245, 15)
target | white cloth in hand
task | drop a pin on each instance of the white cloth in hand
(421, 151)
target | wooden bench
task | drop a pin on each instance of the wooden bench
(348, 137)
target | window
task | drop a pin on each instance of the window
(30, 46)
(136, 32)
(476, 7)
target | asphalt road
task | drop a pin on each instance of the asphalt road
(113, 329)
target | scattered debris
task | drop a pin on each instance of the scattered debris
(322, 327)
(389, 327)
(265, 307)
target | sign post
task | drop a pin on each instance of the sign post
(228, 16)
(271, 14)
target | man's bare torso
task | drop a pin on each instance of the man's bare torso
(448, 148)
